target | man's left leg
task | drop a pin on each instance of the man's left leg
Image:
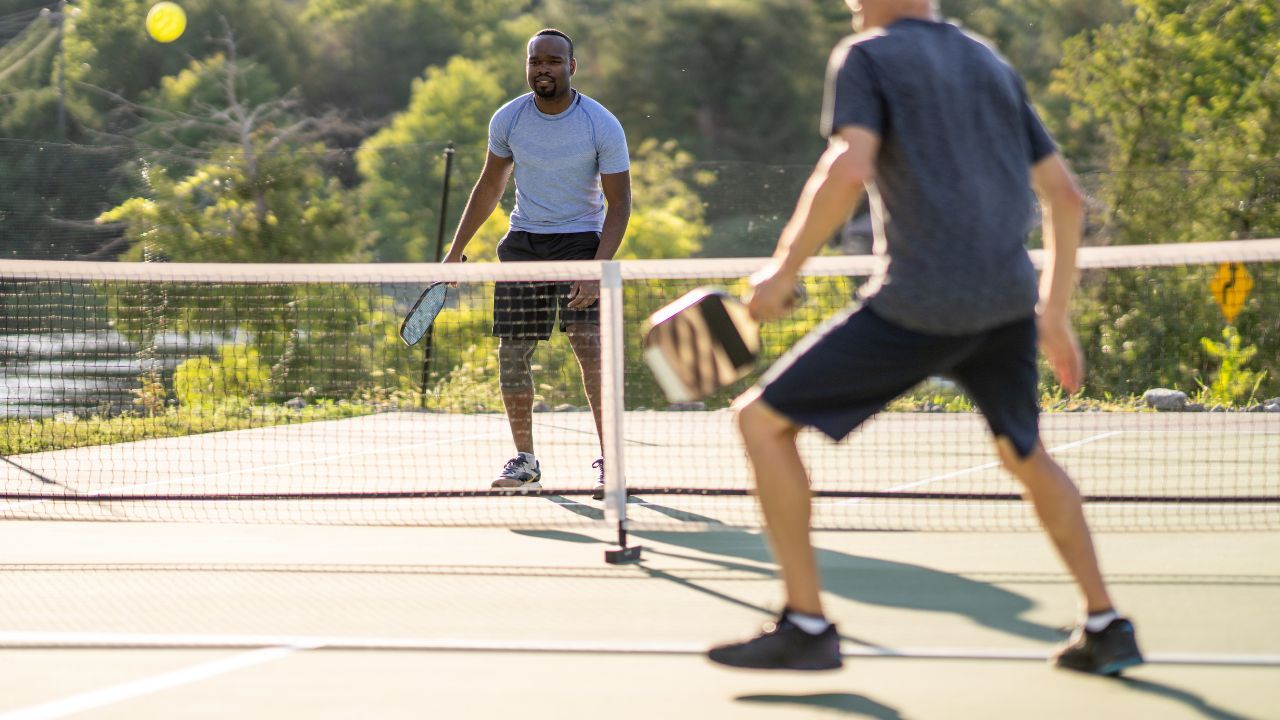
(1105, 643)
(1001, 377)
(584, 338)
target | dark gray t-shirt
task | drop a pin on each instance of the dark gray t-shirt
(952, 200)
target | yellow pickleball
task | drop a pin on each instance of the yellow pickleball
(166, 21)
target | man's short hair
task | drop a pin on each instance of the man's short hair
(557, 33)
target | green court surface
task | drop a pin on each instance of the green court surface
(212, 620)
(285, 603)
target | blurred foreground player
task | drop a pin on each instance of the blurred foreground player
(937, 128)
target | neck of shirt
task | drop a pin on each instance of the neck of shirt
(563, 106)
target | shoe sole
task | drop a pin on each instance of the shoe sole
(526, 487)
(1110, 669)
(1114, 667)
(821, 668)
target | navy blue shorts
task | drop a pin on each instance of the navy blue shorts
(529, 309)
(850, 368)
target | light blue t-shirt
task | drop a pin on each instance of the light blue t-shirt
(558, 162)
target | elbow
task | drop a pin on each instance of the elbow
(1066, 200)
(850, 171)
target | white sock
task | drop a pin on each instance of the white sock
(529, 458)
(1097, 621)
(811, 624)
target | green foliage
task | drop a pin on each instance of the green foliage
(730, 79)
(150, 393)
(667, 217)
(111, 49)
(236, 376)
(198, 89)
(1180, 106)
(68, 431)
(1233, 383)
(49, 192)
(403, 165)
(1183, 109)
(278, 207)
(1142, 328)
(373, 50)
(471, 385)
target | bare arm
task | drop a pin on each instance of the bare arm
(483, 201)
(1063, 211)
(828, 199)
(617, 196)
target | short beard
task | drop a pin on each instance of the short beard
(546, 93)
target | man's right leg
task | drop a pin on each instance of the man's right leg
(515, 377)
(801, 639)
(782, 489)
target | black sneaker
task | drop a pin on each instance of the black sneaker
(597, 490)
(1106, 652)
(783, 646)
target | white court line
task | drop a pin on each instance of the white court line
(262, 468)
(103, 697)
(985, 466)
(55, 640)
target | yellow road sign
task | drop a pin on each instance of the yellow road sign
(1231, 285)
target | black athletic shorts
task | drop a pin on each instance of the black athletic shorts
(528, 309)
(850, 368)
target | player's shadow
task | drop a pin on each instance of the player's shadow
(1190, 699)
(848, 703)
(862, 579)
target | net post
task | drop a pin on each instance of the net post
(613, 361)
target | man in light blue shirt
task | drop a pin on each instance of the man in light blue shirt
(573, 200)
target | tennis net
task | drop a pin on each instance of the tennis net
(282, 393)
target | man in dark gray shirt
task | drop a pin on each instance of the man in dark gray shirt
(938, 130)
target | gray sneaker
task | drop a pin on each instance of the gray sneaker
(597, 492)
(519, 474)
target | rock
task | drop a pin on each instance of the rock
(696, 405)
(1194, 407)
(1272, 407)
(1165, 400)
(296, 403)
(565, 407)
(541, 406)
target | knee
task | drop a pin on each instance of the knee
(583, 335)
(755, 419)
(1036, 470)
(1016, 462)
(515, 370)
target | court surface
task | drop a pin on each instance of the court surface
(288, 609)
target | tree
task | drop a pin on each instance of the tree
(261, 195)
(111, 49)
(1182, 104)
(371, 51)
(728, 80)
(667, 220)
(403, 165)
